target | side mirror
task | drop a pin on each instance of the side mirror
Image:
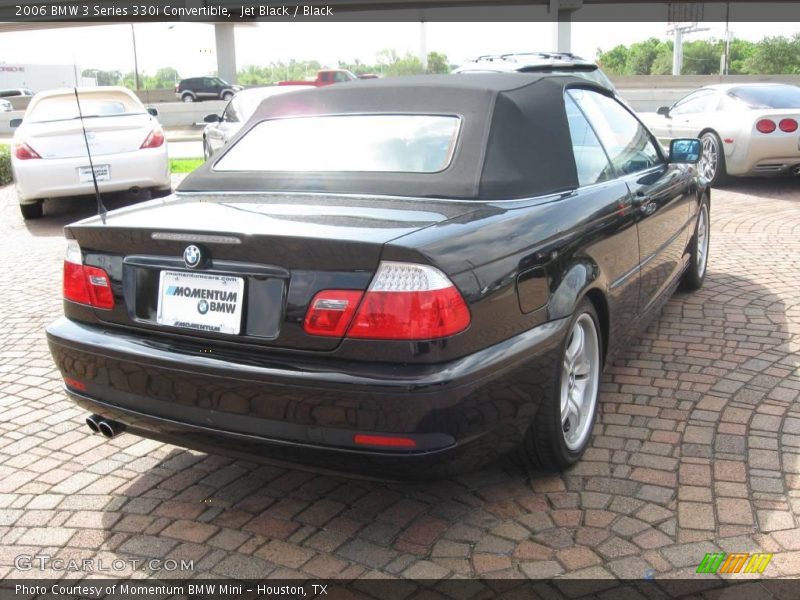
(685, 151)
(663, 111)
(153, 112)
(14, 123)
(212, 119)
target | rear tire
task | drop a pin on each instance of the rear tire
(712, 162)
(695, 274)
(563, 426)
(32, 211)
(187, 98)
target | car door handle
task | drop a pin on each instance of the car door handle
(644, 203)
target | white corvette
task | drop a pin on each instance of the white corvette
(49, 156)
(746, 129)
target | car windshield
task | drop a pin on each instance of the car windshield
(64, 107)
(767, 96)
(350, 143)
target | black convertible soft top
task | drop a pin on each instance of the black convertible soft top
(514, 139)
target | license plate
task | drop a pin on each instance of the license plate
(102, 172)
(200, 301)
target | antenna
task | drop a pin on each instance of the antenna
(101, 209)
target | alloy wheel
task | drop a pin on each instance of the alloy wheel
(709, 161)
(702, 240)
(580, 378)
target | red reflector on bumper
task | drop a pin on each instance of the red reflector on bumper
(386, 441)
(75, 384)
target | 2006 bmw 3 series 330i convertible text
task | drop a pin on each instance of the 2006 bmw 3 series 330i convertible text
(400, 276)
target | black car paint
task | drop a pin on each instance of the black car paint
(521, 265)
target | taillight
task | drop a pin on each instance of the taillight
(405, 301)
(409, 302)
(766, 126)
(84, 284)
(788, 125)
(331, 311)
(24, 152)
(155, 139)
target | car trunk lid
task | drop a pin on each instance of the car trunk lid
(277, 251)
(105, 135)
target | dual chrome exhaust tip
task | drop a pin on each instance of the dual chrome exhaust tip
(104, 426)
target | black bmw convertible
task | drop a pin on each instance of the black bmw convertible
(412, 275)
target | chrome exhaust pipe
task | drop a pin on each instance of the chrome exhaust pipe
(110, 428)
(93, 421)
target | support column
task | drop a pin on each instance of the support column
(561, 13)
(226, 51)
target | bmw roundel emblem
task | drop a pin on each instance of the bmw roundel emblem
(192, 256)
(202, 307)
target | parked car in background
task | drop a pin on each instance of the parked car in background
(409, 276)
(10, 93)
(49, 157)
(746, 129)
(324, 77)
(6, 106)
(557, 63)
(195, 89)
(223, 127)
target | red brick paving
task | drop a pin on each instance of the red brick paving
(697, 448)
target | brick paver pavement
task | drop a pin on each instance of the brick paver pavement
(697, 449)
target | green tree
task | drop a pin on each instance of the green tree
(775, 55)
(437, 63)
(701, 57)
(613, 62)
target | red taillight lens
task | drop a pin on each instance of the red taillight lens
(788, 125)
(155, 139)
(25, 152)
(410, 315)
(331, 311)
(766, 126)
(85, 284)
(409, 302)
(75, 284)
(405, 301)
(385, 441)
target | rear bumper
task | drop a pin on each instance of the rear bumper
(464, 412)
(58, 177)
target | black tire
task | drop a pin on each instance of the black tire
(714, 170)
(695, 274)
(160, 192)
(545, 446)
(227, 96)
(187, 98)
(206, 149)
(32, 211)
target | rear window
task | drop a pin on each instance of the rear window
(767, 96)
(63, 107)
(346, 143)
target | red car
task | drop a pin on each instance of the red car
(324, 77)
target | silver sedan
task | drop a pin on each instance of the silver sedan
(223, 127)
(746, 129)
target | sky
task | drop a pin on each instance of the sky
(189, 47)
